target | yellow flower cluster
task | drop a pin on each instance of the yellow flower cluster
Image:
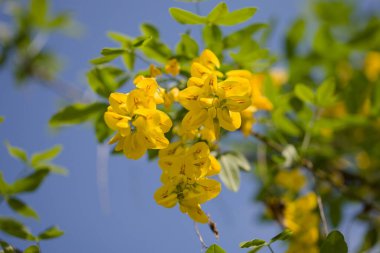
(184, 176)
(139, 125)
(301, 218)
(212, 101)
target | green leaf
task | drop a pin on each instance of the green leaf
(4, 186)
(39, 11)
(103, 59)
(113, 51)
(149, 30)
(15, 228)
(325, 93)
(53, 168)
(212, 36)
(32, 249)
(156, 50)
(106, 79)
(284, 235)
(7, 248)
(102, 131)
(29, 183)
(294, 35)
(21, 208)
(50, 233)
(219, 11)
(236, 17)
(1, 119)
(76, 113)
(215, 249)
(234, 39)
(129, 60)
(118, 37)
(139, 41)
(186, 17)
(231, 163)
(334, 243)
(60, 21)
(304, 93)
(17, 153)
(253, 243)
(46, 155)
(187, 47)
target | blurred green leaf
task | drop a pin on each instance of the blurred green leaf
(76, 113)
(234, 39)
(113, 51)
(103, 59)
(50, 233)
(156, 50)
(106, 79)
(217, 12)
(236, 17)
(15, 228)
(129, 60)
(294, 35)
(325, 93)
(304, 93)
(118, 37)
(7, 248)
(60, 21)
(46, 155)
(282, 122)
(17, 153)
(186, 17)
(334, 243)
(212, 37)
(139, 41)
(21, 208)
(32, 249)
(253, 243)
(4, 186)
(38, 11)
(284, 235)
(29, 183)
(215, 249)
(1, 119)
(53, 168)
(149, 30)
(187, 47)
(102, 131)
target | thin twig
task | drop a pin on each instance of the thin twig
(323, 216)
(270, 248)
(204, 245)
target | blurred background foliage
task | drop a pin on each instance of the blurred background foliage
(322, 135)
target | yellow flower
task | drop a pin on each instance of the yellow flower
(154, 71)
(300, 217)
(184, 178)
(210, 103)
(372, 66)
(138, 124)
(292, 180)
(172, 67)
(278, 76)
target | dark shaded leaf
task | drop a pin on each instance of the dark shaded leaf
(77, 113)
(15, 228)
(29, 183)
(334, 243)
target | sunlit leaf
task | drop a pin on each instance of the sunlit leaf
(50, 233)
(215, 249)
(186, 17)
(149, 30)
(253, 243)
(46, 155)
(21, 208)
(17, 153)
(32, 249)
(236, 17)
(304, 93)
(284, 235)
(219, 11)
(325, 93)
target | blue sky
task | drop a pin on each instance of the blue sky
(133, 222)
